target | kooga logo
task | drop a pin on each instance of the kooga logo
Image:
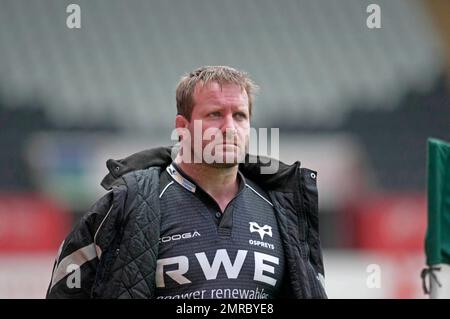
(174, 237)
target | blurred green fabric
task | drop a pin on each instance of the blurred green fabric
(437, 241)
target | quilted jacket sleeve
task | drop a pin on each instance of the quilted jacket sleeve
(75, 267)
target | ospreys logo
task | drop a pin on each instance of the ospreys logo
(264, 230)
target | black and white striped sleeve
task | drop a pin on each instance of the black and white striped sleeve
(75, 267)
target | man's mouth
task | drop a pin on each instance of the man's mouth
(229, 145)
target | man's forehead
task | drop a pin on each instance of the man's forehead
(214, 89)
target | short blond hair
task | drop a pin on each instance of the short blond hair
(205, 75)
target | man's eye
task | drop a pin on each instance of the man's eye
(214, 114)
(240, 116)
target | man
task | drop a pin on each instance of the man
(208, 224)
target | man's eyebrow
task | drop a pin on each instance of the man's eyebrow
(243, 107)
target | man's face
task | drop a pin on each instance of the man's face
(223, 115)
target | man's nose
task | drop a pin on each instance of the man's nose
(228, 124)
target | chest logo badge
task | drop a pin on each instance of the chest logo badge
(264, 230)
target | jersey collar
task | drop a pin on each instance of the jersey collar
(180, 179)
(178, 176)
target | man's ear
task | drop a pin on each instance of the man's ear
(181, 124)
(181, 121)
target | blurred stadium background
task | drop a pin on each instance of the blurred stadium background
(353, 103)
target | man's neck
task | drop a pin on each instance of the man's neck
(220, 183)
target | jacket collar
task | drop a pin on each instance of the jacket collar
(282, 180)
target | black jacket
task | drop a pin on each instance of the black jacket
(112, 252)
